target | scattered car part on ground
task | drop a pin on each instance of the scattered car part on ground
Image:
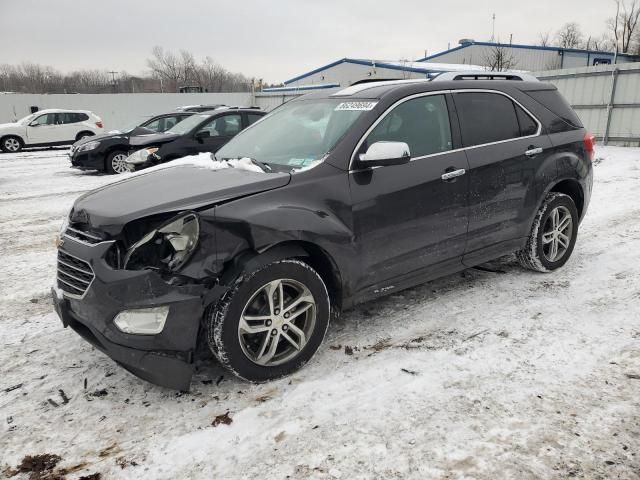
(362, 192)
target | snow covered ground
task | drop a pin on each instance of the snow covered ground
(487, 375)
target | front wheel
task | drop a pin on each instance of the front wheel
(11, 144)
(271, 322)
(553, 234)
(115, 163)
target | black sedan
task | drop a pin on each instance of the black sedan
(202, 132)
(107, 152)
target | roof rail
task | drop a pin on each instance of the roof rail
(476, 75)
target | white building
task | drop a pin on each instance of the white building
(346, 71)
(531, 58)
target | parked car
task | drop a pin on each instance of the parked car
(49, 128)
(364, 191)
(107, 152)
(200, 108)
(202, 132)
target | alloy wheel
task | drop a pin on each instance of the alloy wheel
(118, 163)
(277, 322)
(557, 233)
(12, 144)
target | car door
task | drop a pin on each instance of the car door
(504, 145)
(43, 129)
(69, 125)
(214, 133)
(408, 221)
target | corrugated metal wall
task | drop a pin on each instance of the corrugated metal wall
(116, 110)
(530, 59)
(606, 97)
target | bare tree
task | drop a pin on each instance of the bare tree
(624, 26)
(569, 36)
(544, 39)
(499, 58)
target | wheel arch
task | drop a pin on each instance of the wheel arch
(315, 256)
(573, 189)
(81, 132)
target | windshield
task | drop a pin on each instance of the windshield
(296, 134)
(26, 120)
(187, 124)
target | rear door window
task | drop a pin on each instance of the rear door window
(528, 125)
(422, 123)
(486, 118)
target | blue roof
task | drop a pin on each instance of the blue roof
(301, 88)
(528, 47)
(370, 63)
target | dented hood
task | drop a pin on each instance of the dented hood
(168, 190)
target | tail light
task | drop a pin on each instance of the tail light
(99, 125)
(590, 144)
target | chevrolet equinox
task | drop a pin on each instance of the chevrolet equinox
(352, 194)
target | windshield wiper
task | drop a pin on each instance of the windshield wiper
(264, 166)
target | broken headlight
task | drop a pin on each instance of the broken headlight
(166, 248)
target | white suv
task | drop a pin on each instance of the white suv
(49, 127)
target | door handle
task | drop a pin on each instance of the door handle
(533, 151)
(450, 175)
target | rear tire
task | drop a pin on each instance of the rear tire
(114, 163)
(553, 234)
(260, 340)
(11, 144)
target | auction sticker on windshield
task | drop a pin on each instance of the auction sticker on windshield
(359, 106)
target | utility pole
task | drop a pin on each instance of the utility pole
(493, 29)
(113, 80)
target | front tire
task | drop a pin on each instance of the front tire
(271, 322)
(115, 162)
(553, 234)
(11, 144)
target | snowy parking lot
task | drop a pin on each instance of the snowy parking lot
(492, 373)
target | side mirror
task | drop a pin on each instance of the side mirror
(385, 154)
(34, 124)
(202, 134)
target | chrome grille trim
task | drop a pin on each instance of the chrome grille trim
(74, 275)
(84, 234)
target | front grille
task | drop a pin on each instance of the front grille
(82, 235)
(74, 275)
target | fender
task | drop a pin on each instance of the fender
(252, 260)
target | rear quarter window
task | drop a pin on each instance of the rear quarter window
(556, 104)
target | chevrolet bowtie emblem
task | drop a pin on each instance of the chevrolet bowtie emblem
(59, 241)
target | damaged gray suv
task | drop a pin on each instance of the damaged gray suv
(335, 198)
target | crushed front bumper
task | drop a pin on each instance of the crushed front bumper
(165, 359)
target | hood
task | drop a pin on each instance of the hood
(9, 125)
(168, 190)
(114, 134)
(152, 139)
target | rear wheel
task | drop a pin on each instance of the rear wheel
(11, 144)
(553, 234)
(115, 162)
(271, 322)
